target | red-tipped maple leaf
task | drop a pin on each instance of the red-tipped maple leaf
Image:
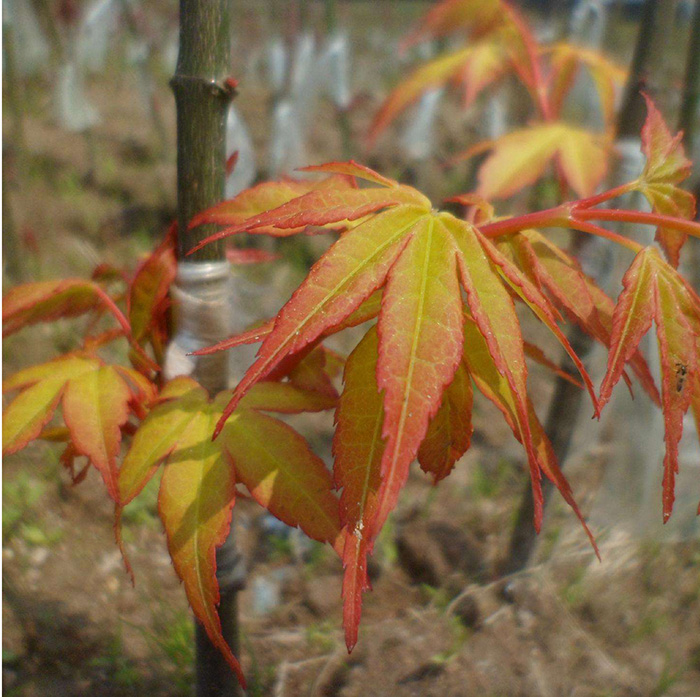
(358, 448)
(566, 61)
(335, 202)
(422, 259)
(197, 489)
(97, 400)
(449, 16)
(472, 68)
(578, 295)
(147, 300)
(500, 42)
(521, 158)
(46, 301)
(666, 167)
(654, 292)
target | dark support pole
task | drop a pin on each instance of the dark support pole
(561, 420)
(687, 121)
(14, 95)
(566, 402)
(631, 118)
(202, 96)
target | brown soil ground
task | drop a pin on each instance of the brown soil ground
(439, 620)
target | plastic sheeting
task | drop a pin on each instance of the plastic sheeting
(238, 140)
(30, 46)
(97, 28)
(276, 64)
(73, 110)
(287, 149)
(304, 79)
(587, 28)
(588, 22)
(336, 67)
(418, 140)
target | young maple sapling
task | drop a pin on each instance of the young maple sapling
(443, 291)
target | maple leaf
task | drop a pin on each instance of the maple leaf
(257, 199)
(566, 61)
(666, 167)
(358, 448)
(501, 41)
(46, 301)
(521, 157)
(576, 293)
(327, 204)
(96, 399)
(419, 259)
(654, 292)
(523, 421)
(197, 489)
(473, 67)
(147, 300)
(449, 16)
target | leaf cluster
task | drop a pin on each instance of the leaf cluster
(439, 295)
(499, 43)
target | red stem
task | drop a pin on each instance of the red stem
(551, 217)
(124, 323)
(561, 216)
(605, 196)
(616, 215)
(607, 234)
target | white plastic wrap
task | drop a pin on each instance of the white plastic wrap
(254, 65)
(336, 67)
(73, 110)
(496, 116)
(201, 298)
(587, 28)
(276, 64)
(238, 139)
(418, 140)
(169, 53)
(287, 149)
(305, 77)
(30, 46)
(97, 28)
(588, 22)
(137, 55)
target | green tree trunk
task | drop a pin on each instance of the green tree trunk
(202, 97)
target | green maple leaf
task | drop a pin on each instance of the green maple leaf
(197, 489)
(96, 401)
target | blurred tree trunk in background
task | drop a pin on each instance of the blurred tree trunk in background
(688, 123)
